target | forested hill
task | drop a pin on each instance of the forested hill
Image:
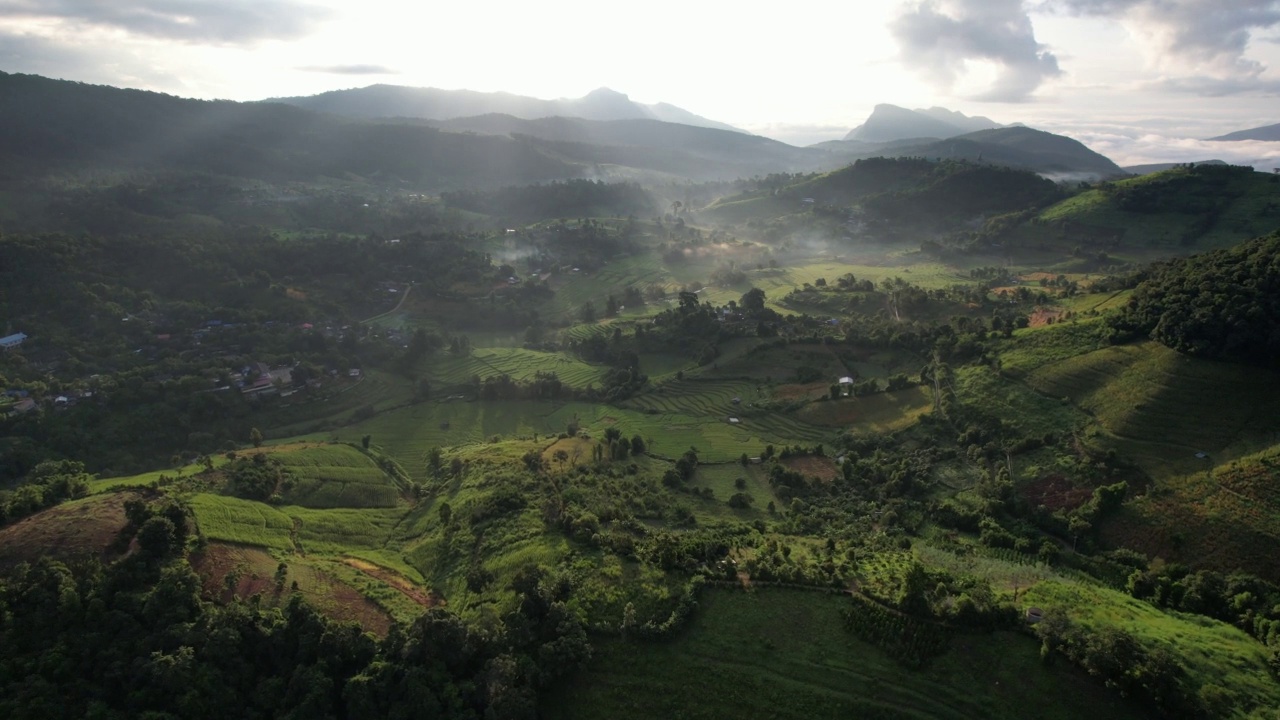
(1224, 304)
(58, 126)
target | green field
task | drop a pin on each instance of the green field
(1211, 651)
(518, 363)
(242, 521)
(334, 476)
(785, 654)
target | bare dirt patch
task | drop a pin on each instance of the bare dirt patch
(1055, 492)
(81, 528)
(419, 595)
(1046, 316)
(808, 391)
(253, 571)
(823, 468)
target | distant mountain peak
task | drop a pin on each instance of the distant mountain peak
(888, 123)
(604, 92)
(1266, 133)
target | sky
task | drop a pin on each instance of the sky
(1137, 80)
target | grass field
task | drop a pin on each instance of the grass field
(879, 412)
(334, 476)
(520, 364)
(1211, 651)
(244, 522)
(785, 654)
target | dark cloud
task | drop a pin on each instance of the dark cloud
(936, 38)
(1199, 37)
(222, 22)
(350, 69)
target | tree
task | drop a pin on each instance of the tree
(255, 437)
(753, 300)
(588, 312)
(364, 441)
(637, 445)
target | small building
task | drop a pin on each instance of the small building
(9, 342)
(736, 401)
(846, 380)
(353, 372)
(24, 405)
(734, 421)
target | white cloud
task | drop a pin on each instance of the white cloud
(940, 40)
(1200, 46)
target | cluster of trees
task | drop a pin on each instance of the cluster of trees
(1223, 304)
(1118, 659)
(1246, 601)
(49, 483)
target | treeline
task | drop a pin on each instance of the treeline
(1223, 304)
(959, 189)
(568, 199)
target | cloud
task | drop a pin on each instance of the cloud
(1138, 148)
(1218, 87)
(1199, 40)
(217, 22)
(936, 38)
(350, 69)
(27, 53)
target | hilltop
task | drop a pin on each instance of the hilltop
(1018, 147)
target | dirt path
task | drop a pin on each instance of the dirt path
(419, 595)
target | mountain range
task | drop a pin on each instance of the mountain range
(55, 126)
(398, 101)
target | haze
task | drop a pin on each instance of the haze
(1137, 79)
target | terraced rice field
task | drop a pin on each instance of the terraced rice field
(1163, 407)
(699, 397)
(518, 363)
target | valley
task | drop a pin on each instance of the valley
(464, 432)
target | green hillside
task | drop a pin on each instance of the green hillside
(1174, 211)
